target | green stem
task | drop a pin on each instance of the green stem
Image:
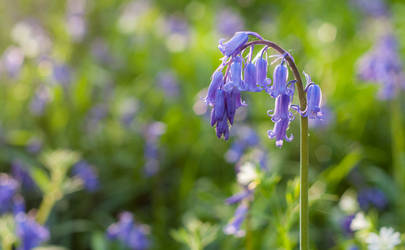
(304, 161)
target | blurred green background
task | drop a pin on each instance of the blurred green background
(121, 83)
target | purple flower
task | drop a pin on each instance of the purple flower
(261, 66)
(61, 73)
(346, 222)
(236, 198)
(280, 77)
(372, 197)
(234, 226)
(228, 22)
(233, 46)
(250, 76)
(87, 174)
(128, 232)
(279, 131)
(8, 188)
(374, 8)
(216, 83)
(22, 175)
(314, 98)
(12, 60)
(282, 109)
(236, 73)
(30, 233)
(383, 65)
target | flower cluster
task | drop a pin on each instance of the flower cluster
(246, 73)
(128, 232)
(30, 233)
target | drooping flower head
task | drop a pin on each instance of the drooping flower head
(314, 99)
(247, 73)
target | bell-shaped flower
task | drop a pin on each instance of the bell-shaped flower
(216, 82)
(261, 70)
(282, 108)
(279, 132)
(233, 46)
(250, 75)
(314, 98)
(222, 128)
(280, 76)
(236, 73)
(219, 107)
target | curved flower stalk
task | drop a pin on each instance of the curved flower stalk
(228, 82)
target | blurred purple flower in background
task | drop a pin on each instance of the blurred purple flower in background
(87, 173)
(128, 232)
(346, 222)
(41, 98)
(383, 65)
(12, 61)
(30, 233)
(152, 134)
(101, 52)
(372, 197)
(75, 19)
(8, 188)
(97, 113)
(234, 226)
(167, 81)
(245, 137)
(22, 175)
(34, 146)
(375, 8)
(177, 32)
(61, 73)
(228, 22)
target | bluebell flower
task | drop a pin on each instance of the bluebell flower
(236, 73)
(30, 233)
(131, 234)
(87, 174)
(282, 108)
(233, 46)
(216, 83)
(280, 77)
(279, 132)
(239, 197)
(8, 188)
(250, 78)
(372, 197)
(22, 175)
(314, 98)
(234, 226)
(261, 70)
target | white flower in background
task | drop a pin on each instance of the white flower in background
(359, 222)
(386, 240)
(247, 173)
(348, 202)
